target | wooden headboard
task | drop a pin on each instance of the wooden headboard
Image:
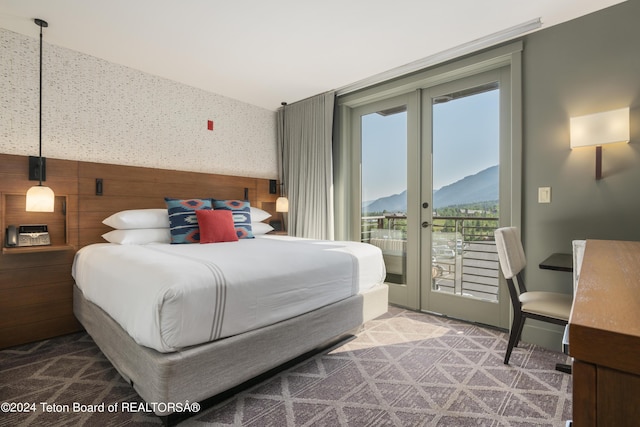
(127, 187)
(35, 283)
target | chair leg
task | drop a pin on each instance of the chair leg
(516, 327)
(520, 331)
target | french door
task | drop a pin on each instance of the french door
(434, 182)
(388, 134)
(465, 123)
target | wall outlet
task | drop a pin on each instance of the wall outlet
(544, 194)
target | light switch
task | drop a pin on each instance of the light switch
(544, 194)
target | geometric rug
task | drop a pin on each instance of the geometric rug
(403, 369)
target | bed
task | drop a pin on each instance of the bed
(140, 304)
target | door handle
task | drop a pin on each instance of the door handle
(425, 224)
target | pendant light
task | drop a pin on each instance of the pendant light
(39, 197)
(282, 203)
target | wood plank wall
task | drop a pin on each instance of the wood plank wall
(127, 187)
(36, 288)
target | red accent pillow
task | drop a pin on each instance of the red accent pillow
(216, 226)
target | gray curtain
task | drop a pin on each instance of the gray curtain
(305, 133)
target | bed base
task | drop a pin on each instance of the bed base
(197, 373)
(176, 418)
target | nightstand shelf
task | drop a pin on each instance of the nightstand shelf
(36, 249)
(13, 212)
(36, 287)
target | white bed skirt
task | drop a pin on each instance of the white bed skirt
(199, 372)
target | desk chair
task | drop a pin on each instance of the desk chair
(545, 306)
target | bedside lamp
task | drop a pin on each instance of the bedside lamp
(282, 204)
(39, 197)
(598, 129)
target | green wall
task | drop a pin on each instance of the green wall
(584, 66)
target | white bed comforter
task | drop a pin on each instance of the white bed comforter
(168, 297)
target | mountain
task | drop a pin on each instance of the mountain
(394, 203)
(480, 187)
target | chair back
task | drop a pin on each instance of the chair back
(510, 251)
(512, 261)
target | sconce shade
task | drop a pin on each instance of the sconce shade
(282, 204)
(601, 128)
(40, 199)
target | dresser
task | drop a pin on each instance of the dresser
(604, 335)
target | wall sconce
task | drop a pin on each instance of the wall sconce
(39, 197)
(598, 129)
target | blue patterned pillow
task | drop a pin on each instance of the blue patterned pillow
(183, 222)
(241, 216)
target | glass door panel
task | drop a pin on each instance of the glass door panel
(384, 187)
(462, 132)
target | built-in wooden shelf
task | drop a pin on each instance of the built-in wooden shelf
(13, 212)
(33, 249)
(36, 285)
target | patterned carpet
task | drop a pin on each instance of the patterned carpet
(403, 369)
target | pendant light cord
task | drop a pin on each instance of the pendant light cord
(40, 111)
(41, 24)
(284, 105)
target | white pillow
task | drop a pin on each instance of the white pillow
(138, 237)
(138, 218)
(258, 214)
(260, 228)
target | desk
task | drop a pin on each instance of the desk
(604, 330)
(558, 262)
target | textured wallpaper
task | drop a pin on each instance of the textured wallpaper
(97, 111)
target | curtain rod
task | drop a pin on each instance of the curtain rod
(287, 104)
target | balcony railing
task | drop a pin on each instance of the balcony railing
(464, 258)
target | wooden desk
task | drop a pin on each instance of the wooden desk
(604, 331)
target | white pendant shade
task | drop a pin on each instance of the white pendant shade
(40, 199)
(282, 204)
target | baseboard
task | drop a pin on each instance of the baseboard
(544, 334)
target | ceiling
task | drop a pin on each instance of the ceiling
(263, 52)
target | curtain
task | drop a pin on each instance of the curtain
(305, 137)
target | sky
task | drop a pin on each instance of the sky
(465, 141)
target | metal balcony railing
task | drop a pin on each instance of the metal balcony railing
(464, 258)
